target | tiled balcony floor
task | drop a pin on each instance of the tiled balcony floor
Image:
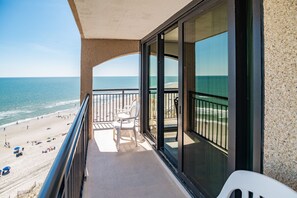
(131, 172)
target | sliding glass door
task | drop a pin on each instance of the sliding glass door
(170, 61)
(187, 99)
(205, 142)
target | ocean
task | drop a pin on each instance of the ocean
(214, 85)
(25, 98)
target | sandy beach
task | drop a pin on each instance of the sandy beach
(41, 139)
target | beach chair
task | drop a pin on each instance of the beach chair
(126, 121)
(257, 184)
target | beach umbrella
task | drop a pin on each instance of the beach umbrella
(6, 168)
(17, 148)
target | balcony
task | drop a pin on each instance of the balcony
(95, 167)
(130, 172)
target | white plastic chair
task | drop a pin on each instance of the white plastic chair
(258, 184)
(126, 121)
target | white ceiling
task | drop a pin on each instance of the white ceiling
(124, 19)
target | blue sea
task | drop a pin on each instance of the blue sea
(25, 98)
(214, 85)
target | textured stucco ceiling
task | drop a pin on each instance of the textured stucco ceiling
(123, 19)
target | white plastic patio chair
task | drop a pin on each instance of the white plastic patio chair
(126, 121)
(258, 184)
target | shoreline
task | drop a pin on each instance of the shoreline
(41, 142)
(34, 118)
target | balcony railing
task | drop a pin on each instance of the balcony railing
(209, 118)
(208, 113)
(65, 178)
(169, 107)
(107, 102)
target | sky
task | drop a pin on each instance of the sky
(212, 56)
(40, 39)
(122, 66)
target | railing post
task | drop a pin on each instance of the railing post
(123, 93)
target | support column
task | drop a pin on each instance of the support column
(86, 83)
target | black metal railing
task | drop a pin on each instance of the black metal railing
(169, 108)
(107, 102)
(209, 118)
(65, 178)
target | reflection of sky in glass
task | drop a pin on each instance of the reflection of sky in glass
(153, 71)
(212, 56)
(171, 66)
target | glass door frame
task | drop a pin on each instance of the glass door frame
(183, 122)
(144, 85)
(161, 62)
(245, 24)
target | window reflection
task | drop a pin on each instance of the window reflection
(205, 144)
(152, 67)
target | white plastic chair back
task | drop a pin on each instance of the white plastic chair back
(258, 184)
(134, 110)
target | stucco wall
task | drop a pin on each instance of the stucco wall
(280, 69)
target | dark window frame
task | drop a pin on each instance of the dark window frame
(242, 22)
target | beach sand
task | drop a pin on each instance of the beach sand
(33, 166)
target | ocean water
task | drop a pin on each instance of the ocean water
(214, 85)
(25, 98)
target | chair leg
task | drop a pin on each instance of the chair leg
(118, 138)
(113, 133)
(135, 135)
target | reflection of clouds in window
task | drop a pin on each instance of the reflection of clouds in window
(212, 56)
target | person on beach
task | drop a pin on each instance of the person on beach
(27, 127)
(4, 129)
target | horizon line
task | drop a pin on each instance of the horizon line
(56, 76)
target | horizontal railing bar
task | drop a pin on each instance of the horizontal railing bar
(210, 102)
(126, 89)
(210, 95)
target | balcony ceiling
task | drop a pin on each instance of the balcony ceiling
(122, 19)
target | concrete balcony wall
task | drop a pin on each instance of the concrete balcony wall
(280, 70)
(95, 52)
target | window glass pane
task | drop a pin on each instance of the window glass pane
(205, 145)
(170, 147)
(152, 67)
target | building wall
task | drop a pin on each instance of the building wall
(280, 70)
